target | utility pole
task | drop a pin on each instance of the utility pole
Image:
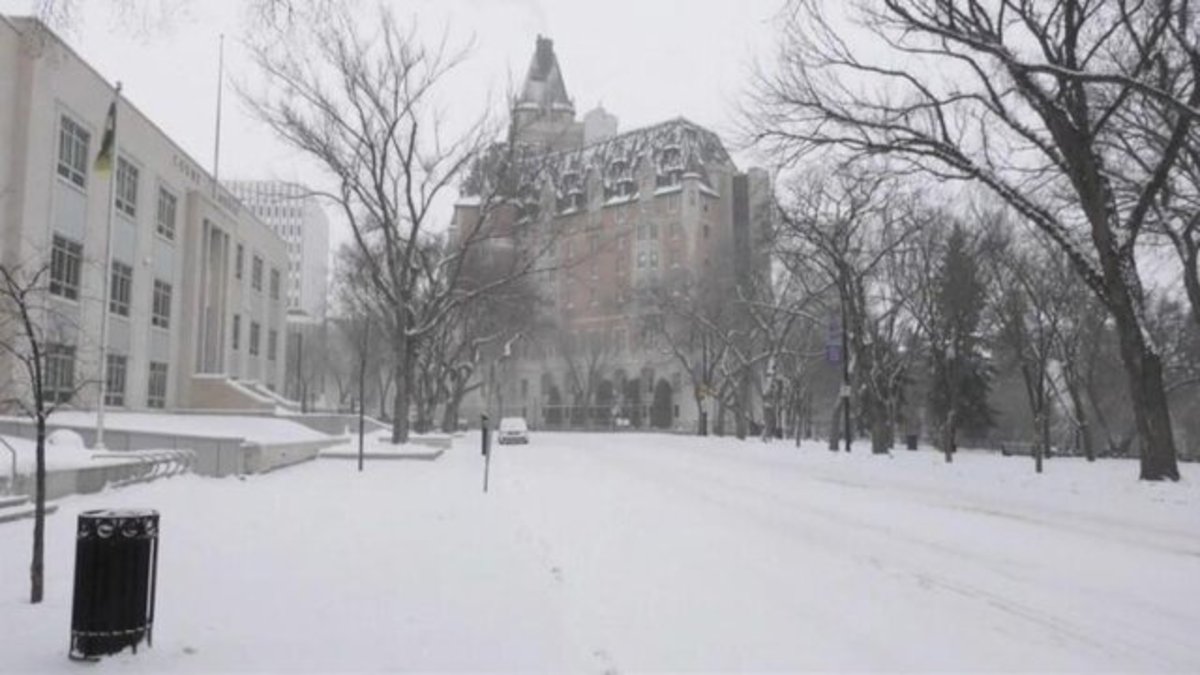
(845, 379)
(362, 391)
(299, 368)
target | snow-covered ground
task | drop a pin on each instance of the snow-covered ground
(637, 552)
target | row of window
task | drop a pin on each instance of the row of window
(73, 163)
(121, 290)
(114, 382)
(60, 386)
(255, 331)
(256, 272)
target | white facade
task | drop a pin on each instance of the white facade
(178, 290)
(300, 221)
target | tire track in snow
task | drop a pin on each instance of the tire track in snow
(784, 512)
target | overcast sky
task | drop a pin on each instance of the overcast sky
(645, 60)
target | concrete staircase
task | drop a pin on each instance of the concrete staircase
(19, 507)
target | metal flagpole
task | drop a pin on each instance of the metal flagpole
(217, 139)
(107, 274)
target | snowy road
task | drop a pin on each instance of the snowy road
(633, 553)
(741, 558)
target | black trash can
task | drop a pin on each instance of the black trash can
(116, 563)
(911, 440)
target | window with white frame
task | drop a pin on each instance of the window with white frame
(156, 390)
(66, 260)
(121, 288)
(73, 151)
(160, 310)
(114, 379)
(127, 187)
(166, 214)
(59, 384)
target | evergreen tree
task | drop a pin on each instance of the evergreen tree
(961, 370)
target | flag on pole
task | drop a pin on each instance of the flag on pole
(104, 160)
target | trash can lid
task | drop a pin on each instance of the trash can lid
(118, 513)
(128, 523)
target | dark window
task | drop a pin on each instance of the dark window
(114, 379)
(237, 330)
(237, 268)
(160, 313)
(256, 269)
(253, 338)
(66, 258)
(166, 214)
(272, 338)
(127, 187)
(274, 284)
(156, 391)
(122, 285)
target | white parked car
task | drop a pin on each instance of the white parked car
(513, 430)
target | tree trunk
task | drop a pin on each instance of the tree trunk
(403, 381)
(949, 435)
(835, 424)
(876, 411)
(1144, 370)
(880, 439)
(1191, 282)
(37, 566)
(450, 412)
(1085, 431)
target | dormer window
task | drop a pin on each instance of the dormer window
(669, 178)
(620, 180)
(574, 197)
(528, 206)
(670, 167)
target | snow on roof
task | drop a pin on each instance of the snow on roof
(677, 146)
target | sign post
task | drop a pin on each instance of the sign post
(487, 449)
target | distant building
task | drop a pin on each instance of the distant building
(196, 307)
(598, 125)
(627, 211)
(298, 219)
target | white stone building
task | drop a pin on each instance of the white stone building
(300, 221)
(196, 312)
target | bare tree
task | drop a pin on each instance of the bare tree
(847, 227)
(362, 102)
(686, 319)
(28, 327)
(1027, 309)
(1021, 98)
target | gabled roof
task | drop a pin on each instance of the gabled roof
(544, 88)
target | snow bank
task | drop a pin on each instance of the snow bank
(252, 428)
